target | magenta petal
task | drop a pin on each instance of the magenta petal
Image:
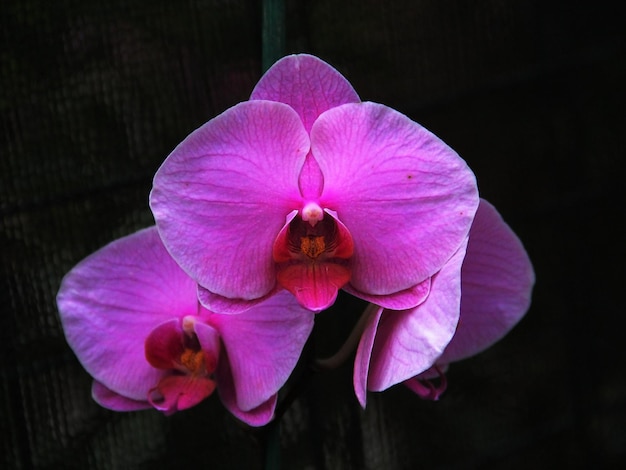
(221, 197)
(496, 280)
(257, 416)
(398, 300)
(307, 84)
(407, 198)
(364, 355)
(221, 304)
(111, 301)
(263, 346)
(408, 342)
(113, 401)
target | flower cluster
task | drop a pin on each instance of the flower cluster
(262, 215)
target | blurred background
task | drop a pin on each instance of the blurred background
(94, 95)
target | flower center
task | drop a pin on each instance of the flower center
(193, 361)
(312, 246)
(307, 241)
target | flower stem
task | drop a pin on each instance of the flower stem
(349, 345)
(271, 458)
(273, 40)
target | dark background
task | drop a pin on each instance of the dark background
(94, 95)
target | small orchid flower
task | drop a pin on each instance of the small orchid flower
(305, 188)
(489, 297)
(133, 319)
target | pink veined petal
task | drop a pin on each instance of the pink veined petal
(113, 401)
(315, 285)
(408, 342)
(307, 84)
(263, 346)
(222, 195)
(257, 416)
(496, 283)
(398, 300)
(407, 198)
(311, 179)
(112, 300)
(221, 304)
(363, 357)
(310, 86)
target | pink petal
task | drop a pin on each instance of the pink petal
(109, 399)
(363, 357)
(408, 342)
(315, 285)
(307, 84)
(222, 196)
(221, 304)
(406, 197)
(257, 416)
(413, 296)
(112, 300)
(496, 280)
(263, 346)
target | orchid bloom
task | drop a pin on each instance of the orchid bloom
(133, 319)
(308, 189)
(489, 297)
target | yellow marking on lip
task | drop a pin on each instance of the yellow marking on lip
(193, 361)
(312, 246)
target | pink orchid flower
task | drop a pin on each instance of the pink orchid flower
(489, 297)
(306, 188)
(133, 319)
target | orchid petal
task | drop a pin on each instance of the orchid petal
(364, 355)
(113, 401)
(406, 197)
(222, 195)
(263, 346)
(307, 84)
(496, 280)
(414, 295)
(221, 304)
(311, 179)
(408, 342)
(111, 301)
(257, 416)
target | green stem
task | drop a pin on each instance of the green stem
(271, 459)
(273, 40)
(349, 345)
